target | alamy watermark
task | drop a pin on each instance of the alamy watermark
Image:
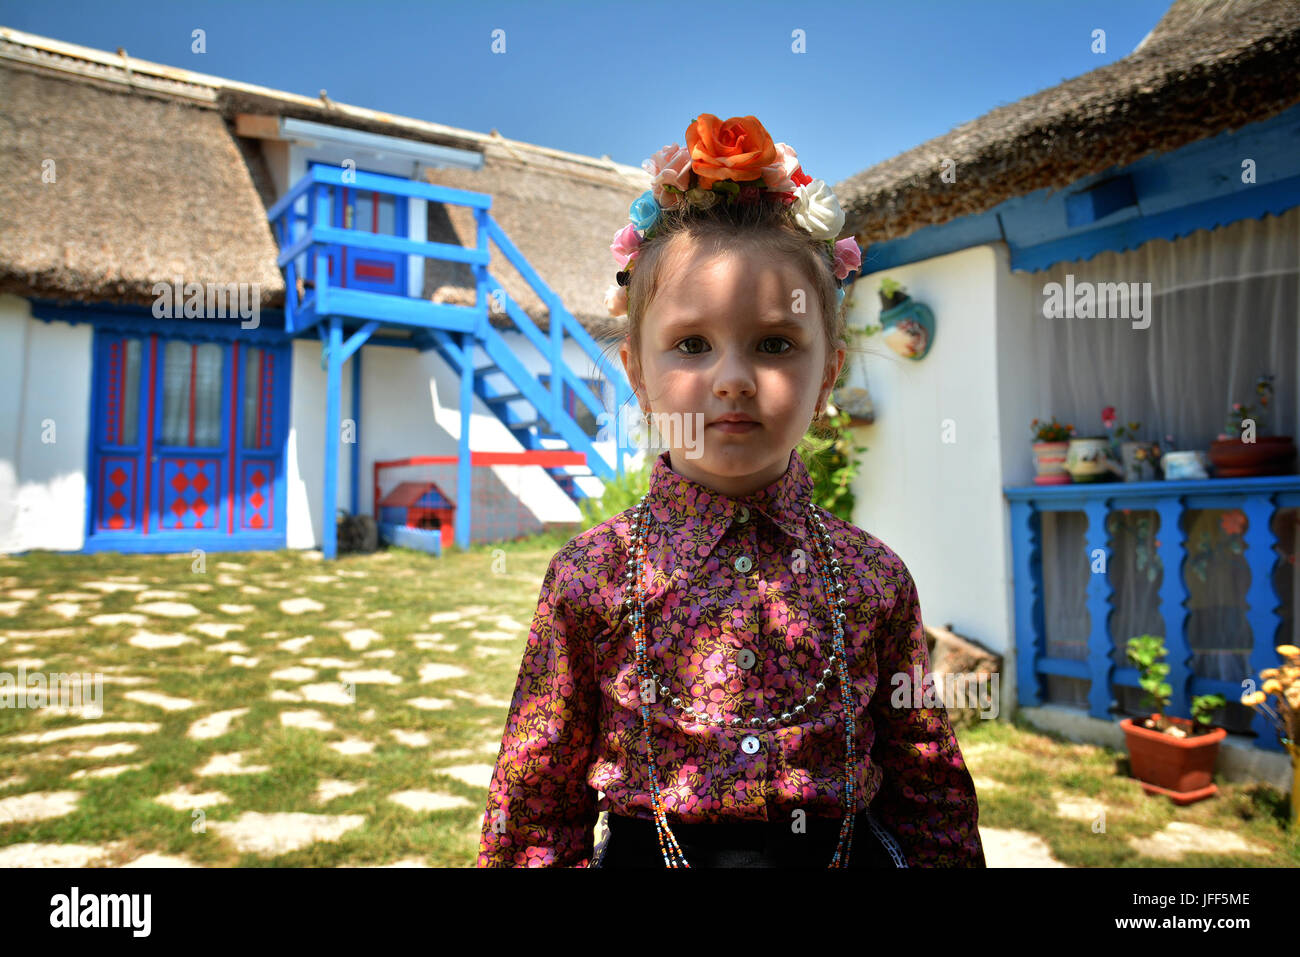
(916, 689)
(58, 689)
(658, 430)
(1098, 300)
(209, 300)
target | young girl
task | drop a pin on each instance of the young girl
(722, 660)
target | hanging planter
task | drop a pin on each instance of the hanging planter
(908, 325)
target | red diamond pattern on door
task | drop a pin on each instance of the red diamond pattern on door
(256, 495)
(190, 489)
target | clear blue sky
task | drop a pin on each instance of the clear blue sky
(626, 78)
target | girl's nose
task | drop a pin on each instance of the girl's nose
(733, 374)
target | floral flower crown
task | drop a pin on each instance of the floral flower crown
(731, 161)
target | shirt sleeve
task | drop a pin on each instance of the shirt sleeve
(540, 810)
(926, 797)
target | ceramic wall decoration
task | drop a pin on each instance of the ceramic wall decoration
(908, 325)
(909, 329)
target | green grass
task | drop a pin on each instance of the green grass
(504, 579)
(411, 585)
(1035, 767)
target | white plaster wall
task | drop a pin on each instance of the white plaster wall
(44, 421)
(1018, 326)
(410, 405)
(938, 504)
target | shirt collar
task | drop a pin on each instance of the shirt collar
(694, 517)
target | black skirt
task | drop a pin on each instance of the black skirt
(634, 842)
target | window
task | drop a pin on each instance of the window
(192, 394)
(122, 414)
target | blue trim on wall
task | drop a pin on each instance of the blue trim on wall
(1275, 198)
(1198, 186)
(139, 320)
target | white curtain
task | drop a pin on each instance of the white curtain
(1224, 309)
(205, 361)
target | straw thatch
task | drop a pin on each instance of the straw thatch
(153, 184)
(1208, 66)
(144, 189)
(561, 219)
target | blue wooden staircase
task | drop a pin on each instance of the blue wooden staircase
(344, 318)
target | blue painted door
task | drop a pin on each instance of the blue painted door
(187, 444)
(369, 270)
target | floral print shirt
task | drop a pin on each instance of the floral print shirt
(737, 624)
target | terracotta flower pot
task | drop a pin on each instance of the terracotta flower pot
(1267, 455)
(1049, 461)
(1182, 769)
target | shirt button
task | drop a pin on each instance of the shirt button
(749, 745)
(744, 514)
(746, 658)
(743, 564)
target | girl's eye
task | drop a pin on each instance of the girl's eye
(788, 343)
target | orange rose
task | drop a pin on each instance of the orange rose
(736, 149)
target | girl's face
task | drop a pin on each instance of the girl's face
(733, 332)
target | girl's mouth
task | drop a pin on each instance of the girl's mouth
(736, 426)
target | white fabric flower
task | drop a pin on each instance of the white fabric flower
(816, 209)
(616, 300)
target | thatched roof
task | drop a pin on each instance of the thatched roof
(145, 189)
(153, 183)
(561, 219)
(1208, 66)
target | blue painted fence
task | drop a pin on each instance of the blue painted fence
(1258, 498)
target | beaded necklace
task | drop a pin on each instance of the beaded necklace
(828, 572)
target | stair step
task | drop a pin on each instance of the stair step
(504, 398)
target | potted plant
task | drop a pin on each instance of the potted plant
(1137, 458)
(1089, 458)
(1052, 439)
(1243, 449)
(1284, 684)
(891, 294)
(1169, 755)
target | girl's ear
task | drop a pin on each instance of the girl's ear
(625, 355)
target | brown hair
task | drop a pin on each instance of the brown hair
(764, 225)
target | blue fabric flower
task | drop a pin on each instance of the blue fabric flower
(839, 298)
(644, 212)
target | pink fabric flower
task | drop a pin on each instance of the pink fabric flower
(848, 257)
(671, 166)
(626, 243)
(778, 175)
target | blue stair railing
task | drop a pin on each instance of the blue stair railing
(306, 238)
